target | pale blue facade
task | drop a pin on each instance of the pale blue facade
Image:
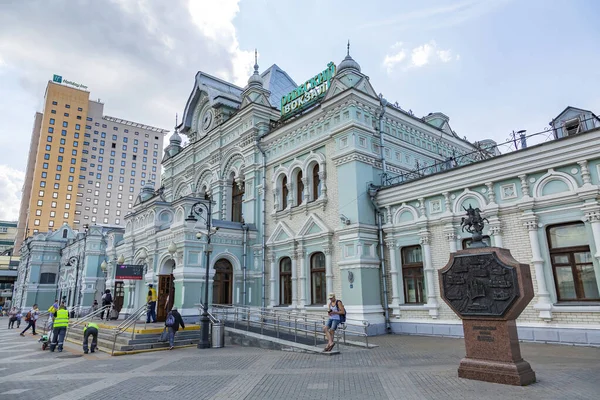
(307, 204)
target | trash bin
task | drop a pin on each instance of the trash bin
(218, 334)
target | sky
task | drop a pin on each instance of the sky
(492, 66)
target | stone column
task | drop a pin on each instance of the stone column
(496, 232)
(391, 244)
(328, 268)
(302, 256)
(593, 217)
(544, 304)
(294, 279)
(273, 273)
(451, 238)
(432, 303)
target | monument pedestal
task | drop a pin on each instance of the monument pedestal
(488, 289)
(493, 353)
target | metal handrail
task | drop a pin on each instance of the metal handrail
(131, 320)
(213, 319)
(290, 321)
(90, 315)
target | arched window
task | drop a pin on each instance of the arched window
(412, 274)
(237, 198)
(316, 183)
(572, 262)
(299, 188)
(285, 281)
(318, 287)
(284, 193)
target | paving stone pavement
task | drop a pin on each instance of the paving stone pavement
(402, 367)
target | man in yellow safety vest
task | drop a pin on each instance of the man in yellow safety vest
(151, 299)
(90, 329)
(61, 323)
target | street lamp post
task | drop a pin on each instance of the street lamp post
(198, 209)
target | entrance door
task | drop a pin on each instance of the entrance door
(119, 296)
(223, 282)
(165, 283)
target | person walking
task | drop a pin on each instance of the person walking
(12, 318)
(106, 301)
(31, 318)
(90, 329)
(336, 312)
(19, 316)
(60, 325)
(151, 300)
(173, 322)
(95, 306)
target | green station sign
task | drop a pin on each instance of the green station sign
(308, 93)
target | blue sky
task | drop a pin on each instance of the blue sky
(492, 66)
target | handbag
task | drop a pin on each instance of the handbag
(164, 336)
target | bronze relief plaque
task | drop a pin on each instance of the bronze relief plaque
(480, 285)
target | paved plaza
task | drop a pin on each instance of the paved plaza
(402, 367)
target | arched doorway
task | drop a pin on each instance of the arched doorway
(166, 290)
(223, 282)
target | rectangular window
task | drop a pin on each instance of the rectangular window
(572, 262)
(44, 174)
(77, 126)
(46, 156)
(50, 130)
(67, 106)
(40, 203)
(65, 124)
(412, 274)
(41, 193)
(45, 165)
(51, 121)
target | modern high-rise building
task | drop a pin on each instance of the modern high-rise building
(84, 167)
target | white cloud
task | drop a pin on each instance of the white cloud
(215, 21)
(445, 55)
(438, 16)
(391, 60)
(11, 183)
(427, 53)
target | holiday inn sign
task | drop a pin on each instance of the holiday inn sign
(308, 93)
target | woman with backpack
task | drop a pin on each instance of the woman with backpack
(31, 317)
(173, 322)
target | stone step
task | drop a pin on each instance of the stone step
(126, 337)
(106, 345)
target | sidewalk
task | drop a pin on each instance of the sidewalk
(403, 367)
